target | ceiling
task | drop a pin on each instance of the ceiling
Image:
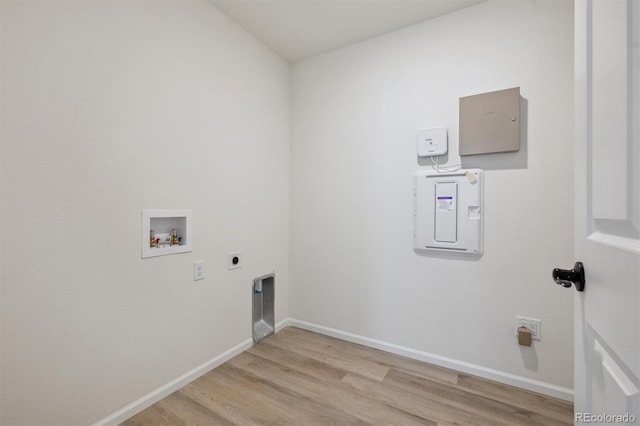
(298, 29)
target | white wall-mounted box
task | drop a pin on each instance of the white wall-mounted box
(432, 142)
(162, 222)
(448, 211)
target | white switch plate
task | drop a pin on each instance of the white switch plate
(234, 260)
(198, 270)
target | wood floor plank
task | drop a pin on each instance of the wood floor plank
(230, 404)
(480, 406)
(299, 408)
(332, 395)
(154, 415)
(433, 409)
(418, 368)
(310, 366)
(177, 409)
(330, 354)
(551, 407)
(315, 369)
(296, 377)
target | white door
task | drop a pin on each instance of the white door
(607, 240)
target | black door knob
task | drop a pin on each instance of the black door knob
(566, 277)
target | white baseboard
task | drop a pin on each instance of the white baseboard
(167, 389)
(282, 324)
(461, 366)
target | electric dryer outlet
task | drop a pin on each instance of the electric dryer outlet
(234, 260)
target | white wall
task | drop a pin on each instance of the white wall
(110, 107)
(356, 112)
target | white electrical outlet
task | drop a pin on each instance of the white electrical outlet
(532, 324)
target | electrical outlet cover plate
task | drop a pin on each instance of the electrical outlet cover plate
(533, 324)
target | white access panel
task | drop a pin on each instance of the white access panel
(448, 211)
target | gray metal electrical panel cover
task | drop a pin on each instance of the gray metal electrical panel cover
(490, 122)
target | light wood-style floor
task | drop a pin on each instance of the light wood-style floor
(297, 377)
